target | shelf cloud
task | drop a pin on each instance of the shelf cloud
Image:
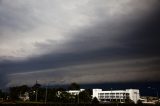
(87, 41)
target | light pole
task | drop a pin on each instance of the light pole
(78, 98)
(36, 90)
(46, 93)
(36, 94)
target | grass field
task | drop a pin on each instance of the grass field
(69, 104)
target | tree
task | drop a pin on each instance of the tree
(52, 95)
(35, 92)
(139, 102)
(65, 97)
(23, 89)
(36, 86)
(129, 101)
(85, 97)
(74, 86)
(15, 92)
(2, 94)
(95, 101)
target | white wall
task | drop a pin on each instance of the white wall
(134, 94)
(95, 92)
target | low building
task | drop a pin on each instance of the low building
(117, 95)
(24, 97)
(75, 92)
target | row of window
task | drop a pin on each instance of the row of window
(113, 94)
(111, 97)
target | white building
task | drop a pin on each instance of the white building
(117, 95)
(75, 92)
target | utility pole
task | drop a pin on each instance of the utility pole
(36, 95)
(36, 91)
(78, 98)
(46, 94)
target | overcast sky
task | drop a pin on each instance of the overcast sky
(83, 41)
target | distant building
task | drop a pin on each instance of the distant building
(75, 92)
(117, 95)
(24, 97)
(149, 100)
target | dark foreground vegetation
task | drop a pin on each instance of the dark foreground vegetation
(38, 94)
(48, 96)
(66, 104)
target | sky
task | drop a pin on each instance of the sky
(86, 41)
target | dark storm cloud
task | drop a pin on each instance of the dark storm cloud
(145, 39)
(3, 79)
(15, 17)
(134, 69)
(141, 41)
(127, 44)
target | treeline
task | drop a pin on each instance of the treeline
(39, 93)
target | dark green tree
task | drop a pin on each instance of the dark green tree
(23, 89)
(2, 94)
(36, 92)
(36, 86)
(85, 97)
(139, 102)
(40, 94)
(15, 92)
(52, 95)
(95, 101)
(65, 97)
(74, 86)
(129, 101)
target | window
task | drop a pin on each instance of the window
(106, 94)
(112, 94)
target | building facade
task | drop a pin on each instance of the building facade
(117, 95)
(75, 92)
